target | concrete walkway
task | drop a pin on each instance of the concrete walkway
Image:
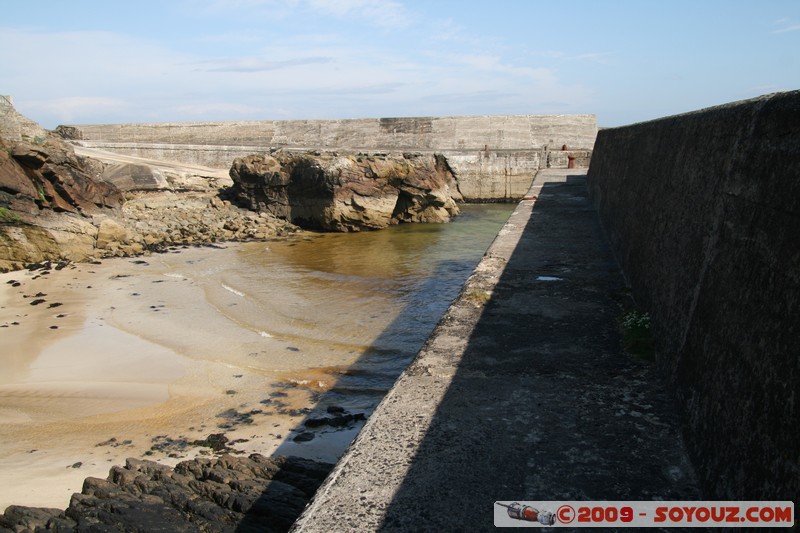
(523, 392)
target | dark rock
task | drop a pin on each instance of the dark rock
(18, 517)
(304, 437)
(227, 494)
(215, 441)
(335, 421)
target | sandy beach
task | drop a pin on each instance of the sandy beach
(146, 357)
(140, 358)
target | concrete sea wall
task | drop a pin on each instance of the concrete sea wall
(425, 133)
(495, 157)
(703, 212)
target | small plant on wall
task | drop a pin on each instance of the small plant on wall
(636, 336)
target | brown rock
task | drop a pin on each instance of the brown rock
(110, 233)
(347, 193)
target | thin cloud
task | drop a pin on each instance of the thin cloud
(257, 64)
(493, 64)
(217, 108)
(387, 14)
(786, 26)
(596, 57)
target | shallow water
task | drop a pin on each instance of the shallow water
(249, 339)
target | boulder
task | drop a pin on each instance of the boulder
(110, 233)
(336, 192)
(132, 177)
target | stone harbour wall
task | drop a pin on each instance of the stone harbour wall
(521, 132)
(494, 157)
(703, 212)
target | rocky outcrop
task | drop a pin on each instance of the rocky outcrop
(48, 175)
(47, 196)
(55, 205)
(347, 192)
(224, 494)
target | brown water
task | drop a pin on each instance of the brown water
(247, 340)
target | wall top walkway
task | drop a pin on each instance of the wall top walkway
(521, 393)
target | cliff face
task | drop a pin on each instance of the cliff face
(47, 196)
(347, 193)
(49, 176)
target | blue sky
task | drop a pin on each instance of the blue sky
(82, 61)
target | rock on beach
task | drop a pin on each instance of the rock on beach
(225, 494)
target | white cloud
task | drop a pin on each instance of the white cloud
(493, 64)
(102, 76)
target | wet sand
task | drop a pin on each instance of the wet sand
(138, 358)
(142, 357)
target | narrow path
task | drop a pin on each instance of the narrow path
(523, 392)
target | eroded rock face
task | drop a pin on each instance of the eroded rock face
(347, 192)
(49, 175)
(47, 195)
(55, 205)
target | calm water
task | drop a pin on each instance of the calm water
(359, 303)
(249, 340)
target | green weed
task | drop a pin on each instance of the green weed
(636, 336)
(9, 217)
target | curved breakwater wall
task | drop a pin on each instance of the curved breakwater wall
(495, 157)
(703, 212)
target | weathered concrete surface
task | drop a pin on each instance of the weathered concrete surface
(495, 157)
(703, 212)
(499, 132)
(522, 392)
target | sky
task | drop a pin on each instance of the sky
(626, 61)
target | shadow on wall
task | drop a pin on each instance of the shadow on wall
(703, 212)
(544, 404)
(523, 394)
